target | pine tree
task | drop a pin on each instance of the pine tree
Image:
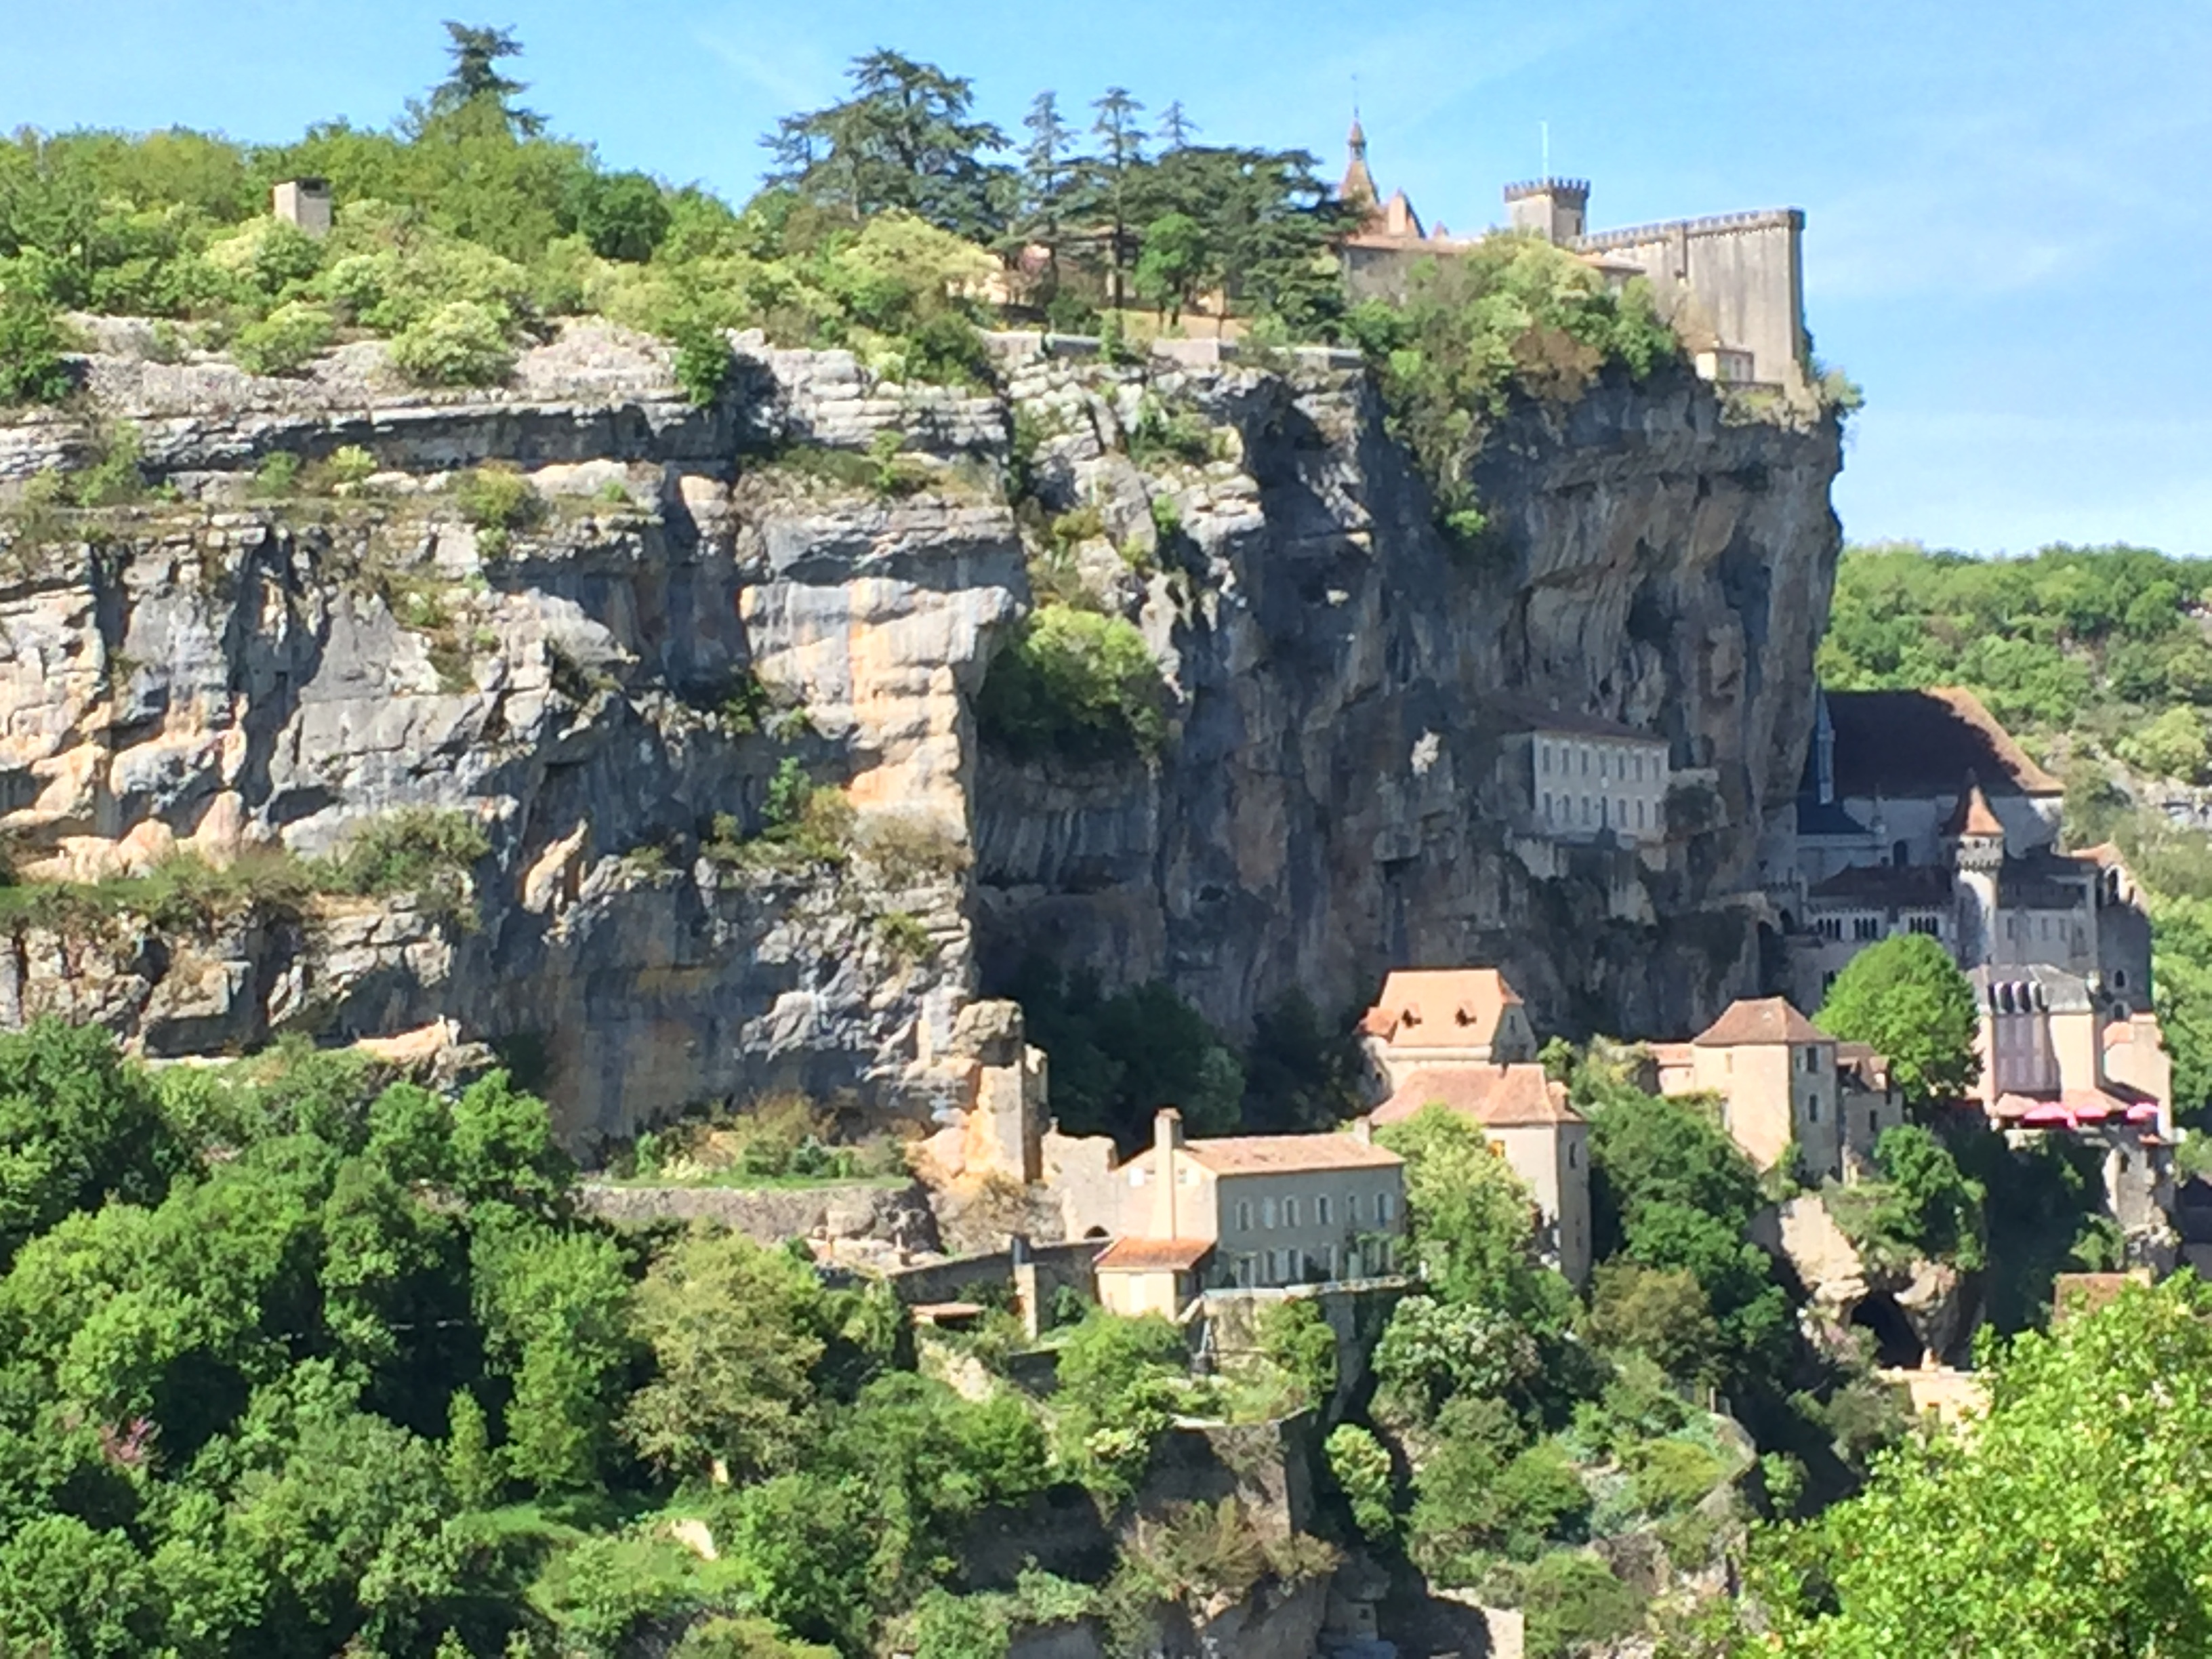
(1122, 153)
(477, 52)
(1050, 168)
(1176, 128)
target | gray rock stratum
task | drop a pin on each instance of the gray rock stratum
(608, 688)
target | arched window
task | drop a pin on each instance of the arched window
(1289, 1212)
(1351, 1208)
(1321, 1210)
(1269, 1215)
(1899, 854)
(1244, 1217)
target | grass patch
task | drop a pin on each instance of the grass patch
(422, 851)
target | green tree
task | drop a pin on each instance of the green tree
(475, 77)
(69, 1592)
(736, 1329)
(556, 1310)
(1051, 169)
(1121, 153)
(1907, 998)
(1360, 1465)
(904, 140)
(2092, 1453)
(34, 340)
(1076, 686)
(78, 1126)
(1660, 1313)
(1178, 261)
(1470, 1219)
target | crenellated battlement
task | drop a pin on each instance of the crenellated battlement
(1575, 190)
(1715, 224)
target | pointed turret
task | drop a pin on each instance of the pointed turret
(1359, 186)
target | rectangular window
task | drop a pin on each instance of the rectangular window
(1244, 1217)
(1274, 1271)
(1351, 1208)
(1321, 1210)
(1812, 1109)
(1382, 1208)
(1268, 1215)
(1585, 755)
(1547, 752)
(1328, 1261)
(1289, 1212)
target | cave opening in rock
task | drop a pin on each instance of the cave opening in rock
(1895, 1345)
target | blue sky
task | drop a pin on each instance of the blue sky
(2006, 202)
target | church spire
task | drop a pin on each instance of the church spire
(1357, 189)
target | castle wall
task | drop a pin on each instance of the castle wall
(1742, 275)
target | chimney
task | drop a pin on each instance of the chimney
(305, 202)
(1167, 1141)
(1362, 1131)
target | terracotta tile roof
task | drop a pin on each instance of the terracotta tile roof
(1923, 744)
(1672, 1054)
(1768, 1020)
(1496, 1097)
(1140, 1255)
(1862, 1059)
(1972, 816)
(2105, 856)
(1440, 1007)
(1283, 1154)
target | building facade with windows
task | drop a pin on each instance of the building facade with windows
(1245, 1210)
(1584, 777)
(1920, 814)
(1784, 1084)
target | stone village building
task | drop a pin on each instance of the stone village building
(1786, 1086)
(1460, 1038)
(1249, 1211)
(1920, 813)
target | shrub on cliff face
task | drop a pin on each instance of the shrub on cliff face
(463, 343)
(1074, 686)
(1515, 316)
(33, 338)
(285, 341)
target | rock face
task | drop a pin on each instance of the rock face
(1334, 803)
(609, 689)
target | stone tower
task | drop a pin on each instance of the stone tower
(1976, 841)
(1557, 210)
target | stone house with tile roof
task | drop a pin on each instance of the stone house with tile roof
(1244, 1210)
(1526, 1117)
(1428, 1018)
(1784, 1084)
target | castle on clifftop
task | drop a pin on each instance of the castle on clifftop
(1733, 286)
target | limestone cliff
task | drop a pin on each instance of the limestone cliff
(608, 688)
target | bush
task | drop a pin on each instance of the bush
(418, 850)
(32, 341)
(1074, 686)
(703, 362)
(462, 343)
(1116, 1058)
(1573, 1601)
(1361, 1466)
(286, 340)
(1672, 1475)
(497, 498)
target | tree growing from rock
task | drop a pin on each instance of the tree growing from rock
(1907, 998)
